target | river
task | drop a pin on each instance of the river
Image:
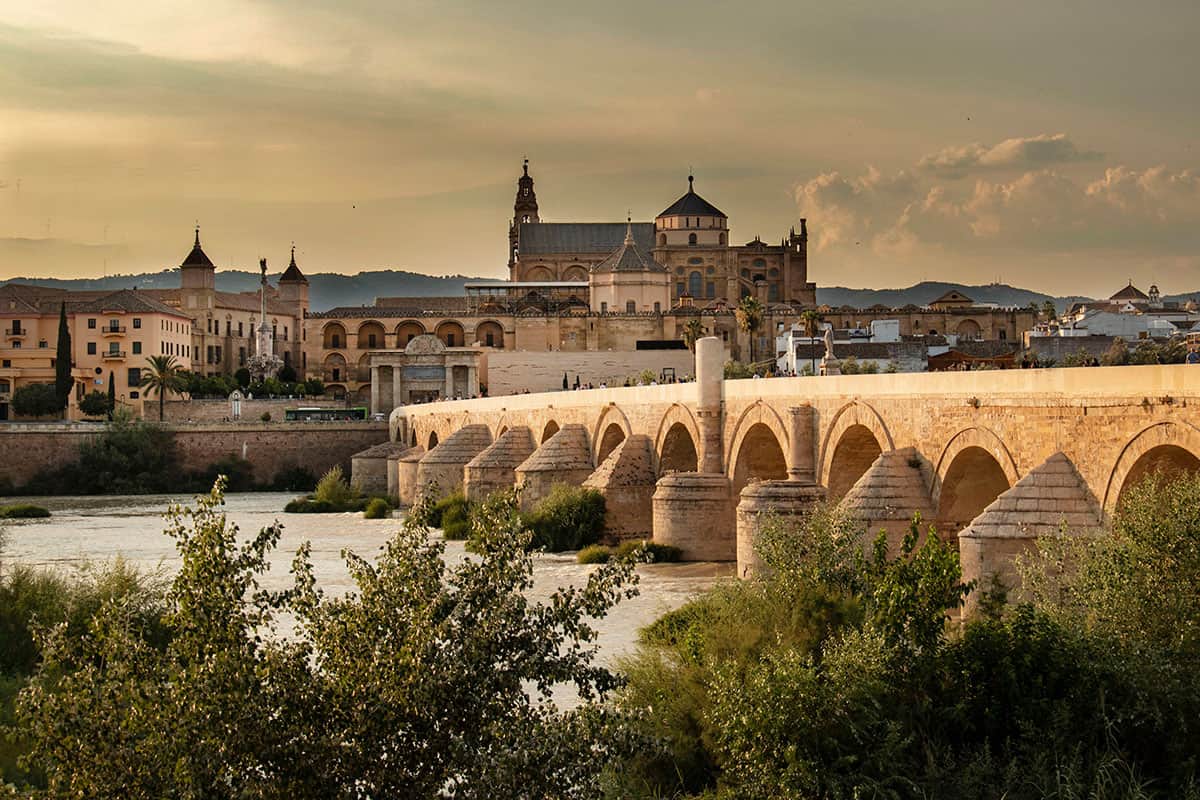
(83, 529)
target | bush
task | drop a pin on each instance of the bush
(653, 552)
(432, 514)
(128, 457)
(36, 400)
(242, 376)
(377, 508)
(456, 519)
(594, 554)
(95, 404)
(286, 374)
(23, 511)
(293, 479)
(238, 472)
(569, 518)
(266, 416)
(334, 489)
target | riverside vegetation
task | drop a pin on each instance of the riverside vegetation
(335, 495)
(569, 518)
(837, 674)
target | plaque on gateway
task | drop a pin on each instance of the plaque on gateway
(424, 373)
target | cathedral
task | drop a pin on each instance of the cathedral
(685, 249)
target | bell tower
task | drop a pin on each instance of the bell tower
(525, 209)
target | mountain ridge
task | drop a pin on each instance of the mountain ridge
(329, 289)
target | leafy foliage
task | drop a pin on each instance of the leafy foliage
(23, 511)
(426, 680)
(160, 376)
(377, 508)
(128, 457)
(333, 488)
(95, 404)
(569, 518)
(64, 382)
(36, 400)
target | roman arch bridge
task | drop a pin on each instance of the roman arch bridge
(995, 457)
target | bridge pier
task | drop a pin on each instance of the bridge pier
(563, 458)
(406, 475)
(626, 479)
(1050, 496)
(788, 501)
(692, 511)
(894, 488)
(493, 469)
(440, 471)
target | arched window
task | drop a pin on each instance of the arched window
(662, 239)
(721, 238)
(691, 238)
(694, 284)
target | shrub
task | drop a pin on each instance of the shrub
(569, 518)
(128, 457)
(432, 514)
(293, 479)
(23, 511)
(334, 489)
(266, 416)
(456, 519)
(238, 472)
(95, 404)
(594, 554)
(377, 508)
(36, 400)
(653, 552)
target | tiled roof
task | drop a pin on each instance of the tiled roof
(842, 350)
(692, 203)
(601, 238)
(628, 258)
(415, 307)
(130, 301)
(293, 274)
(456, 302)
(197, 258)
(1130, 292)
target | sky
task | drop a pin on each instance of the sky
(1050, 144)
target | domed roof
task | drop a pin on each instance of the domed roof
(293, 274)
(628, 257)
(197, 258)
(692, 204)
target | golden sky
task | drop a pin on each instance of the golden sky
(1046, 144)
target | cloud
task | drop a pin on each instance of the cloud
(910, 215)
(1031, 152)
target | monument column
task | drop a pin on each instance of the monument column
(374, 389)
(472, 381)
(396, 396)
(692, 510)
(449, 380)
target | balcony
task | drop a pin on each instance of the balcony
(15, 333)
(113, 330)
(113, 355)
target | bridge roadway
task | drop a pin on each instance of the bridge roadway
(994, 457)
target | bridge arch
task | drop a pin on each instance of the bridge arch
(975, 468)
(610, 430)
(757, 414)
(432, 441)
(758, 456)
(852, 456)
(1170, 447)
(851, 417)
(677, 442)
(550, 428)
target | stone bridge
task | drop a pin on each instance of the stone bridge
(995, 458)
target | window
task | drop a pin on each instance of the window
(658, 308)
(630, 307)
(16, 328)
(135, 376)
(490, 339)
(92, 324)
(42, 345)
(450, 340)
(371, 341)
(710, 289)
(16, 345)
(335, 340)
(91, 348)
(695, 260)
(239, 329)
(773, 293)
(218, 352)
(134, 395)
(208, 355)
(285, 333)
(1003, 334)
(241, 356)
(6, 364)
(678, 289)
(137, 348)
(274, 330)
(604, 308)
(137, 322)
(694, 285)
(662, 240)
(337, 373)
(691, 239)
(112, 347)
(721, 238)
(208, 325)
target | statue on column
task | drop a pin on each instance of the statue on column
(829, 363)
(264, 363)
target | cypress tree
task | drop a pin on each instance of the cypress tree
(112, 394)
(63, 382)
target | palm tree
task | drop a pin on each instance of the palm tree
(750, 314)
(162, 375)
(692, 331)
(811, 321)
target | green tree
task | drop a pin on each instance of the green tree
(810, 321)
(1048, 310)
(162, 375)
(112, 394)
(692, 331)
(63, 382)
(243, 377)
(36, 400)
(429, 679)
(95, 404)
(750, 316)
(1117, 354)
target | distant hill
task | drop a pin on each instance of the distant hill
(327, 290)
(927, 291)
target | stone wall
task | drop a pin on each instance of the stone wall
(512, 371)
(219, 410)
(27, 449)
